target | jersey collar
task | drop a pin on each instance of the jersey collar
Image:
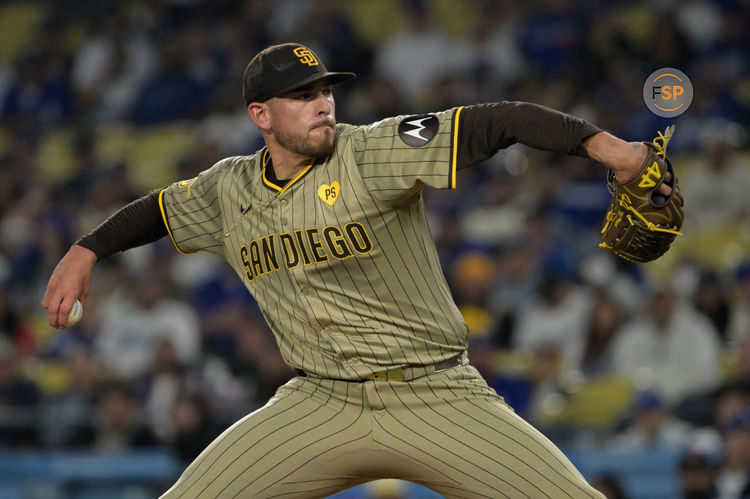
(266, 161)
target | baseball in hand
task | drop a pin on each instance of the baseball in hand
(75, 314)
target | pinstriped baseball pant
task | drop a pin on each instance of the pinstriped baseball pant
(448, 431)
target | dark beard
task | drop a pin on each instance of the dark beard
(302, 145)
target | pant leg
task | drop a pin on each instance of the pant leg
(470, 443)
(305, 443)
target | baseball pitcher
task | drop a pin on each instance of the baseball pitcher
(326, 227)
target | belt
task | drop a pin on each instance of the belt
(404, 373)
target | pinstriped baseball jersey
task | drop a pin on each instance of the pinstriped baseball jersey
(341, 259)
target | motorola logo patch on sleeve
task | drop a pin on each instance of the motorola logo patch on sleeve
(419, 130)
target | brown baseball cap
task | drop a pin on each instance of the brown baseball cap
(282, 68)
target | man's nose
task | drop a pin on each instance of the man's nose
(324, 104)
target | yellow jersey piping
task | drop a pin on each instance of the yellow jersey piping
(164, 218)
(264, 161)
(454, 159)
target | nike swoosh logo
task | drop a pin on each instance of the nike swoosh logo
(282, 65)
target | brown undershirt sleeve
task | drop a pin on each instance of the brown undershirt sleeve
(135, 224)
(484, 129)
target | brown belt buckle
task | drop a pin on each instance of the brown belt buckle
(395, 374)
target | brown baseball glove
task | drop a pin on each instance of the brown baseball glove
(641, 223)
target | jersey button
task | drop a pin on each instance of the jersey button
(306, 291)
(283, 221)
(284, 202)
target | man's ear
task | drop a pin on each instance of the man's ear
(260, 114)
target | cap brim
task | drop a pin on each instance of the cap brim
(330, 77)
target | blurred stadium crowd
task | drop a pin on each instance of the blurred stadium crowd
(101, 102)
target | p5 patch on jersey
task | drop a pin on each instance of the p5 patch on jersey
(417, 131)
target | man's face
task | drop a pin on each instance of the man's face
(304, 121)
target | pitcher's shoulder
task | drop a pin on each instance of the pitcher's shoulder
(345, 130)
(239, 161)
(238, 164)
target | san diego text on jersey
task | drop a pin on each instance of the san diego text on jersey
(303, 246)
